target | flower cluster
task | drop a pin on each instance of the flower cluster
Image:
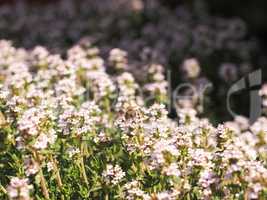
(144, 32)
(79, 127)
(19, 189)
(113, 174)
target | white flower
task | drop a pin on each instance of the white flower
(172, 170)
(206, 178)
(19, 189)
(191, 68)
(72, 151)
(113, 174)
(132, 191)
(126, 84)
(259, 125)
(41, 142)
(187, 115)
(263, 91)
(31, 166)
(166, 195)
(118, 58)
(49, 166)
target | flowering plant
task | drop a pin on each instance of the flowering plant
(79, 128)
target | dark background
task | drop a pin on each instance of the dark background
(254, 13)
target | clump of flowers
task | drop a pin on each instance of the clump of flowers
(191, 68)
(156, 85)
(118, 59)
(113, 174)
(72, 128)
(143, 33)
(19, 189)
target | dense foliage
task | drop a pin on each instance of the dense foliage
(72, 130)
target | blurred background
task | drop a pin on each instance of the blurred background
(227, 38)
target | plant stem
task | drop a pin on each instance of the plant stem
(56, 169)
(45, 191)
(3, 189)
(43, 185)
(106, 197)
(57, 173)
(82, 164)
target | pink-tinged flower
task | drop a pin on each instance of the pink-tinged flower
(41, 142)
(263, 90)
(172, 170)
(19, 189)
(118, 58)
(191, 68)
(113, 174)
(31, 166)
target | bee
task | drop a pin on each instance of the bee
(131, 113)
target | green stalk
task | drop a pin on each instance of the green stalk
(3, 189)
